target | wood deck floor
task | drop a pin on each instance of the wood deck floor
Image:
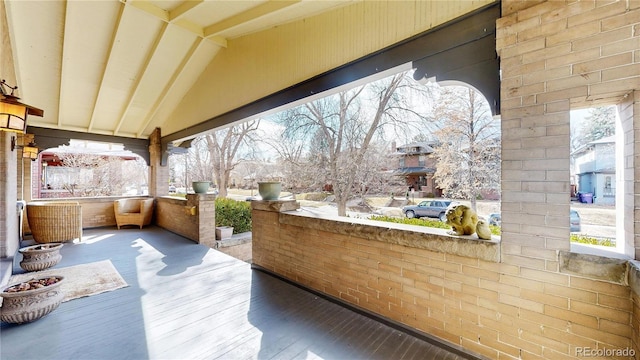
(186, 301)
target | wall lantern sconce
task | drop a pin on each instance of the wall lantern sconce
(30, 151)
(25, 142)
(13, 114)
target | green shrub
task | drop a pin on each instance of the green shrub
(584, 239)
(495, 230)
(422, 222)
(233, 213)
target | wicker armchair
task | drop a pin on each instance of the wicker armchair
(133, 212)
(55, 221)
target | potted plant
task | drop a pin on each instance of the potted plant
(223, 232)
(269, 190)
(40, 257)
(29, 301)
(200, 187)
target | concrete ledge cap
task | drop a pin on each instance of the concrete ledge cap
(414, 236)
(235, 240)
(594, 266)
(172, 200)
(202, 196)
(275, 205)
(634, 276)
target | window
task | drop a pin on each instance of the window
(608, 189)
(595, 163)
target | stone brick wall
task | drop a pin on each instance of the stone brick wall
(499, 310)
(555, 57)
(175, 216)
(96, 212)
(193, 218)
(238, 246)
(634, 280)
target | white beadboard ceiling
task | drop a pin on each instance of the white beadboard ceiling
(109, 67)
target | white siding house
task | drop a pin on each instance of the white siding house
(595, 169)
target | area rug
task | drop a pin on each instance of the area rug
(81, 280)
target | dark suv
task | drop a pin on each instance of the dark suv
(428, 208)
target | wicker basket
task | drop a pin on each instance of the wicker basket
(55, 221)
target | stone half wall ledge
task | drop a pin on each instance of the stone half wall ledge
(634, 278)
(595, 267)
(413, 236)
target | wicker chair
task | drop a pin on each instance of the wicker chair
(55, 221)
(133, 212)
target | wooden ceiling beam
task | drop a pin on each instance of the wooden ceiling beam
(143, 70)
(167, 88)
(247, 16)
(149, 8)
(114, 35)
(62, 69)
(176, 17)
(182, 9)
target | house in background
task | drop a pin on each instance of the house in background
(417, 166)
(86, 169)
(594, 171)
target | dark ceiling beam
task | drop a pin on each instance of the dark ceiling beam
(52, 138)
(463, 49)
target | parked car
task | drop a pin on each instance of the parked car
(495, 219)
(427, 208)
(574, 220)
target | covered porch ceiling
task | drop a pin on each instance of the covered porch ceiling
(105, 67)
(122, 68)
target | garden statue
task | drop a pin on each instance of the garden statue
(482, 230)
(464, 221)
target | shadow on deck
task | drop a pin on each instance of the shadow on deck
(186, 301)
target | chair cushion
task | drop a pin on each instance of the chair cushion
(130, 206)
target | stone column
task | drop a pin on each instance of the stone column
(9, 243)
(24, 177)
(205, 205)
(158, 174)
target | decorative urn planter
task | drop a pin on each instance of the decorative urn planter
(223, 232)
(40, 257)
(269, 190)
(200, 187)
(31, 300)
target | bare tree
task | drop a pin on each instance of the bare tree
(374, 176)
(342, 127)
(291, 157)
(88, 175)
(223, 147)
(468, 157)
(200, 163)
(599, 123)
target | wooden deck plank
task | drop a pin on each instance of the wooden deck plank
(186, 301)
